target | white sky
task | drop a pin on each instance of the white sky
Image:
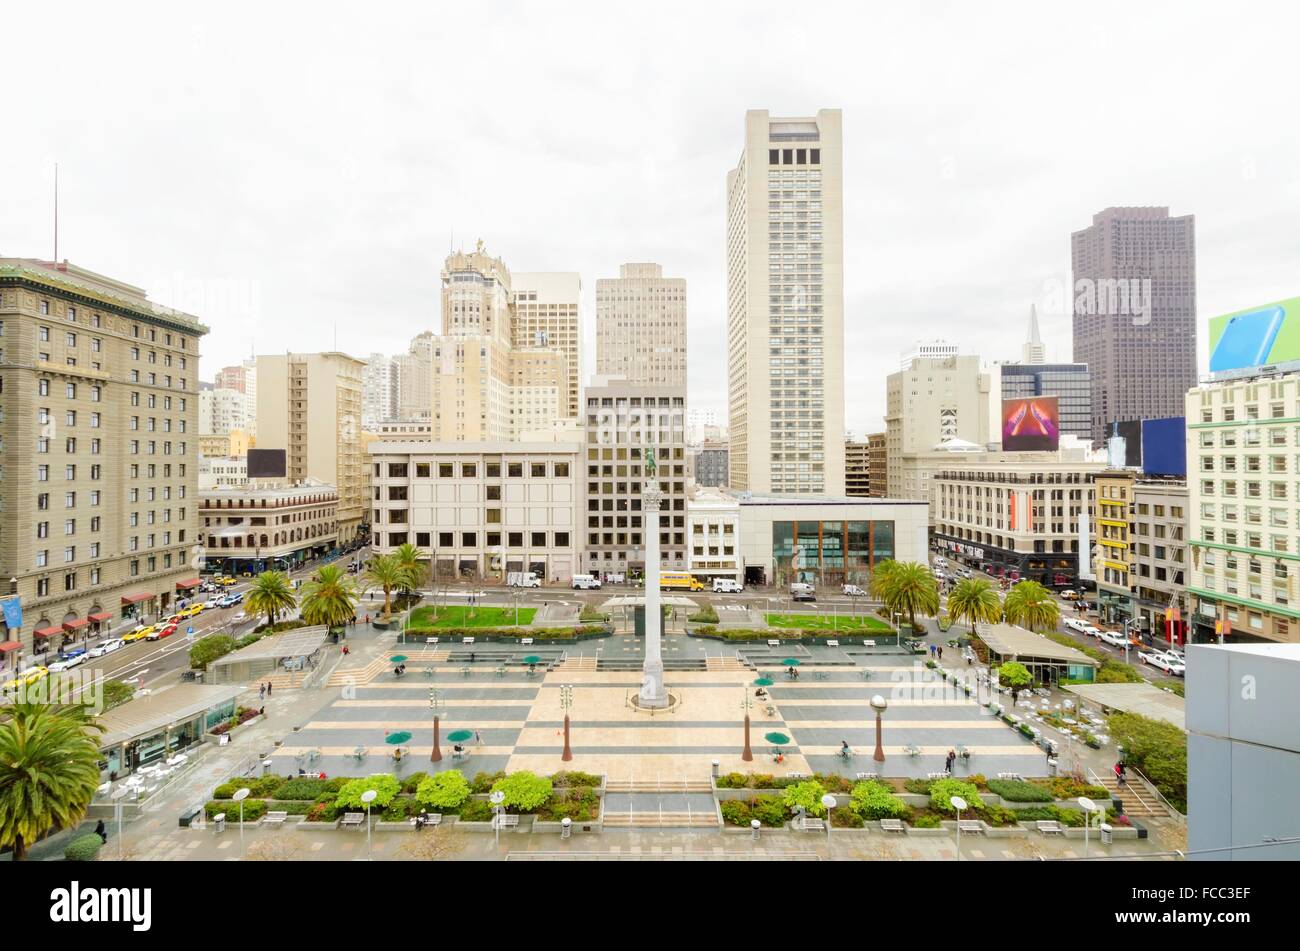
(282, 172)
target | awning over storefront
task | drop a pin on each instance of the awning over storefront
(47, 631)
(137, 597)
(100, 616)
(76, 623)
(8, 646)
(188, 583)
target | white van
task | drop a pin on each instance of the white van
(523, 579)
(802, 592)
(853, 591)
(586, 582)
(727, 586)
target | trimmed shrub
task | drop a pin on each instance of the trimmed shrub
(524, 791)
(443, 792)
(301, 789)
(385, 786)
(482, 782)
(843, 817)
(919, 787)
(411, 783)
(254, 809)
(1016, 790)
(875, 800)
(769, 810)
(568, 778)
(83, 848)
(926, 821)
(476, 810)
(735, 812)
(942, 791)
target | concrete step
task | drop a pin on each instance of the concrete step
(727, 663)
(585, 662)
(652, 787)
(661, 820)
(1139, 799)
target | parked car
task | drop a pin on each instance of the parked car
(1069, 594)
(165, 631)
(1162, 661)
(1077, 624)
(1114, 638)
(25, 678)
(139, 634)
(105, 647)
(1091, 630)
(853, 591)
(727, 586)
(213, 603)
(69, 659)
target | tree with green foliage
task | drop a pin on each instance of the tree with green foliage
(1158, 749)
(942, 791)
(116, 693)
(807, 794)
(385, 786)
(411, 560)
(49, 771)
(907, 588)
(329, 598)
(271, 594)
(1031, 605)
(874, 800)
(207, 649)
(1015, 676)
(524, 791)
(447, 790)
(975, 601)
(388, 574)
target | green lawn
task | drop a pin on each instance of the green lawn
(458, 615)
(829, 622)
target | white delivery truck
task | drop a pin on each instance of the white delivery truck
(586, 582)
(523, 579)
(802, 592)
(727, 586)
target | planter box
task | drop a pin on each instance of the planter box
(911, 830)
(1005, 832)
(1118, 832)
(474, 826)
(587, 828)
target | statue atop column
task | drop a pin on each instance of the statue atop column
(653, 693)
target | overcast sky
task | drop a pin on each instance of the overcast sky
(285, 172)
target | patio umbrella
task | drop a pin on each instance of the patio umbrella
(776, 739)
(460, 736)
(532, 659)
(764, 682)
(790, 662)
(397, 658)
(401, 736)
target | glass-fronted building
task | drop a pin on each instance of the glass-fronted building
(830, 552)
(1070, 383)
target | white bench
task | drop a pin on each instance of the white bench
(1010, 776)
(868, 643)
(525, 641)
(430, 640)
(797, 775)
(813, 825)
(892, 825)
(1050, 827)
(773, 643)
(832, 643)
(506, 820)
(970, 825)
(432, 819)
(467, 640)
(274, 818)
(936, 775)
(355, 819)
(868, 776)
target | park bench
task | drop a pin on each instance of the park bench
(797, 775)
(506, 820)
(892, 825)
(773, 642)
(832, 643)
(274, 818)
(525, 641)
(426, 819)
(868, 643)
(353, 819)
(1010, 776)
(467, 640)
(970, 825)
(936, 775)
(813, 825)
(1050, 827)
(431, 640)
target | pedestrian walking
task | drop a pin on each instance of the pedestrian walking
(478, 739)
(269, 686)
(1121, 777)
(949, 760)
(940, 650)
(101, 831)
(261, 691)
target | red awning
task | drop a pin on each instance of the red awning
(189, 583)
(74, 624)
(8, 646)
(47, 631)
(138, 596)
(102, 616)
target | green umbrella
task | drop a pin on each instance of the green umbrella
(397, 658)
(532, 659)
(393, 739)
(790, 662)
(460, 736)
(763, 682)
(776, 739)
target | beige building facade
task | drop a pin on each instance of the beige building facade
(98, 455)
(309, 404)
(547, 316)
(251, 528)
(641, 326)
(785, 306)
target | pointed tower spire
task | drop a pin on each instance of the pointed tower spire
(1033, 350)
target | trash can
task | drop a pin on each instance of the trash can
(266, 766)
(1106, 837)
(754, 826)
(715, 769)
(219, 822)
(566, 827)
(1051, 767)
(188, 817)
(223, 739)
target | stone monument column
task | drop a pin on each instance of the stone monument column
(653, 693)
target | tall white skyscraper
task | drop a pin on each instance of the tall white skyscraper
(785, 306)
(547, 307)
(641, 326)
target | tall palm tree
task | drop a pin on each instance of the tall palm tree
(330, 597)
(272, 595)
(409, 557)
(974, 600)
(906, 587)
(49, 771)
(386, 572)
(1031, 605)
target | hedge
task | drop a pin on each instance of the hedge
(254, 809)
(308, 789)
(1016, 790)
(83, 848)
(537, 633)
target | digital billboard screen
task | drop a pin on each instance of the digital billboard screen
(266, 464)
(1124, 444)
(1164, 446)
(1256, 336)
(1032, 424)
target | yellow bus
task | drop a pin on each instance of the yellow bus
(679, 580)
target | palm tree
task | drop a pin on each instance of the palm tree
(974, 600)
(387, 572)
(272, 595)
(1031, 605)
(330, 597)
(49, 771)
(906, 587)
(409, 557)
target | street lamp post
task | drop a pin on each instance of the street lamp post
(879, 704)
(118, 795)
(959, 804)
(828, 801)
(566, 701)
(1087, 805)
(496, 799)
(747, 754)
(239, 797)
(368, 797)
(435, 705)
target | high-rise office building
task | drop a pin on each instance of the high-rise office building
(641, 326)
(413, 379)
(309, 404)
(378, 391)
(785, 306)
(1135, 312)
(222, 410)
(878, 465)
(547, 309)
(242, 378)
(98, 455)
(857, 469)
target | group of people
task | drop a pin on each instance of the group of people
(264, 690)
(936, 651)
(400, 669)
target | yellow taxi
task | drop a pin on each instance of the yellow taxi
(227, 581)
(26, 678)
(192, 610)
(139, 634)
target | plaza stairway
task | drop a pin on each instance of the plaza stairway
(581, 662)
(660, 820)
(1140, 800)
(659, 804)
